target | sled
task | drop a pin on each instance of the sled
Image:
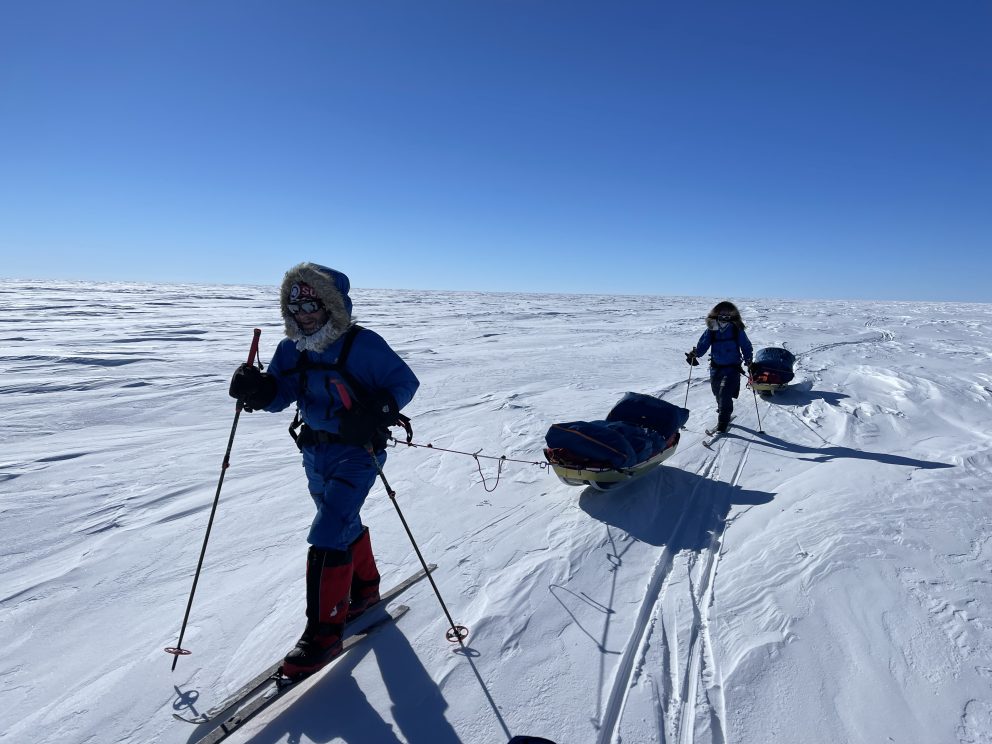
(772, 370)
(639, 433)
(603, 478)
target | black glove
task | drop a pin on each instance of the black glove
(383, 407)
(363, 424)
(254, 388)
(690, 358)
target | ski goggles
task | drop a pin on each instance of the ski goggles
(310, 306)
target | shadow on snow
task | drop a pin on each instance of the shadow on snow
(335, 707)
(829, 452)
(670, 507)
(799, 395)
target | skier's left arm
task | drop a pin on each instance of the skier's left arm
(287, 385)
(390, 381)
(747, 350)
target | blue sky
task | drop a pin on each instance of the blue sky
(770, 149)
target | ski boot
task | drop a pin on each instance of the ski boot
(328, 583)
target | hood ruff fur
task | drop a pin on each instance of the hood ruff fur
(338, 320)
(725, 308)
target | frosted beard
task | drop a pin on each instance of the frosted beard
(319, 339)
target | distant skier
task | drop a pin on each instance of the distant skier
(348, 385)
(728, 344)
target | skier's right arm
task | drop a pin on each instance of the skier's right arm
(252, 387)
(258, 390)
(703, 345)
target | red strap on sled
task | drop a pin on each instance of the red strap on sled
(591, 439)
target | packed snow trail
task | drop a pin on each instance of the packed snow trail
(684, 696)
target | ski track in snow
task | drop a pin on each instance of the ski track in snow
(690, 689)
(691, 699)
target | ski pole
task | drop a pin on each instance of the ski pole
(178, 649)
(456, 633)
(687, 383)
(750, 382)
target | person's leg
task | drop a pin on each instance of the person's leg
(365, 579)
(715, 387)
(339, 482)
(731, 388)
(328, 585)
(724, 391)
(339, 486)
(718, 384)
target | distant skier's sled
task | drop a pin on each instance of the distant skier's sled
(772, 370)
(639, 433)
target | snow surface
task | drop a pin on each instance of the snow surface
(822, 578)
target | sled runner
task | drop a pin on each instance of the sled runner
(762, 387)
(604, 479)
(639, 434)
(771, 370)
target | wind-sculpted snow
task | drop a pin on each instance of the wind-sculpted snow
(820, 575)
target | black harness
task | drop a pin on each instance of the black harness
(352, 393)
(737, 343)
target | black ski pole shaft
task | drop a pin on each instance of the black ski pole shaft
(687, 383)
(178, 649)
(457, 632)
(753, 392)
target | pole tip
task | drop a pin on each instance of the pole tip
(456, 633)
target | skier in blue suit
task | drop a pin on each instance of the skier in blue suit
(348, 386)
(728, 344)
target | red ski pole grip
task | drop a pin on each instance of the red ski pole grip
(253, 351)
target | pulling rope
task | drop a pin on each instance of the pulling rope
(502, 459)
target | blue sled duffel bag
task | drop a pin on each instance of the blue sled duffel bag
(774, 365)
(641, 439)
(591, 443)
(650, 412)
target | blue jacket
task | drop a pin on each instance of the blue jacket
(371, 361)
(729, 345)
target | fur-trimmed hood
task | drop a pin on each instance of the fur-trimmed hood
(725, 310)
(332, 288)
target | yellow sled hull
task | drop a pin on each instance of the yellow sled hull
(606, 479)
(767, 388)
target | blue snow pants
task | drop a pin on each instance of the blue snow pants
(339, 477)
(725, 382)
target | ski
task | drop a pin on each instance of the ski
(278, 685)
(715, 434)
(355, 626)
